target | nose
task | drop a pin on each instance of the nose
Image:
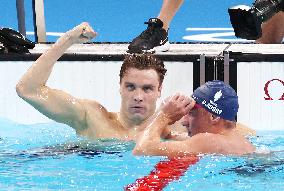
(138, 95)
(186, 121)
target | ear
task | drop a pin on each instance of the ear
(160, 90)
(214, 119)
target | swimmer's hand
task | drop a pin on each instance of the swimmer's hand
(82, 33)
(175, 107)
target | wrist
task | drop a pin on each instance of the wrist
(163, 118)
(65, 40)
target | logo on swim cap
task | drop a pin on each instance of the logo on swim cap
(217, 98)
(213, 107)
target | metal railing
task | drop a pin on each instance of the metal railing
(38, 18)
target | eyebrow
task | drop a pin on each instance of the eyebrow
(145, 85)
(149, 86)
(128, 83)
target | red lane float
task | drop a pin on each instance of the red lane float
(164, 173)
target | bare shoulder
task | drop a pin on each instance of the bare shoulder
(245, 130)
(206, 143)
(234, 144)
(204, 137)
(97, 119)
(92, 105)
(95, 109)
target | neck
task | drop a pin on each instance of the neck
(128, 123)
(221, 128)
(223, 131)
(217, 128)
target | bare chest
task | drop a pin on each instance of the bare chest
(108, 126)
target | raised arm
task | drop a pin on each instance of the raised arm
(55, 104)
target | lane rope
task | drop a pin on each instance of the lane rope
(163, 173)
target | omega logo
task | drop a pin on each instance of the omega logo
(268, 97)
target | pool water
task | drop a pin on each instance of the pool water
(51, 157)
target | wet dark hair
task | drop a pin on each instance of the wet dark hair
(143, 62)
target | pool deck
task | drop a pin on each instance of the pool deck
(175, 49)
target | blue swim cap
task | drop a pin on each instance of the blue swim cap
(217, 98)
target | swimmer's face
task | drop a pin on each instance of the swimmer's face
(196, 121)
(139, 91)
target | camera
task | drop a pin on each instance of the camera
(247, 21)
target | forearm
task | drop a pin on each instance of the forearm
(39, 72)
(158, 125)
(151, 136)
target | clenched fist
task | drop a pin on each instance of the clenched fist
(176, 107)
(82, 33)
